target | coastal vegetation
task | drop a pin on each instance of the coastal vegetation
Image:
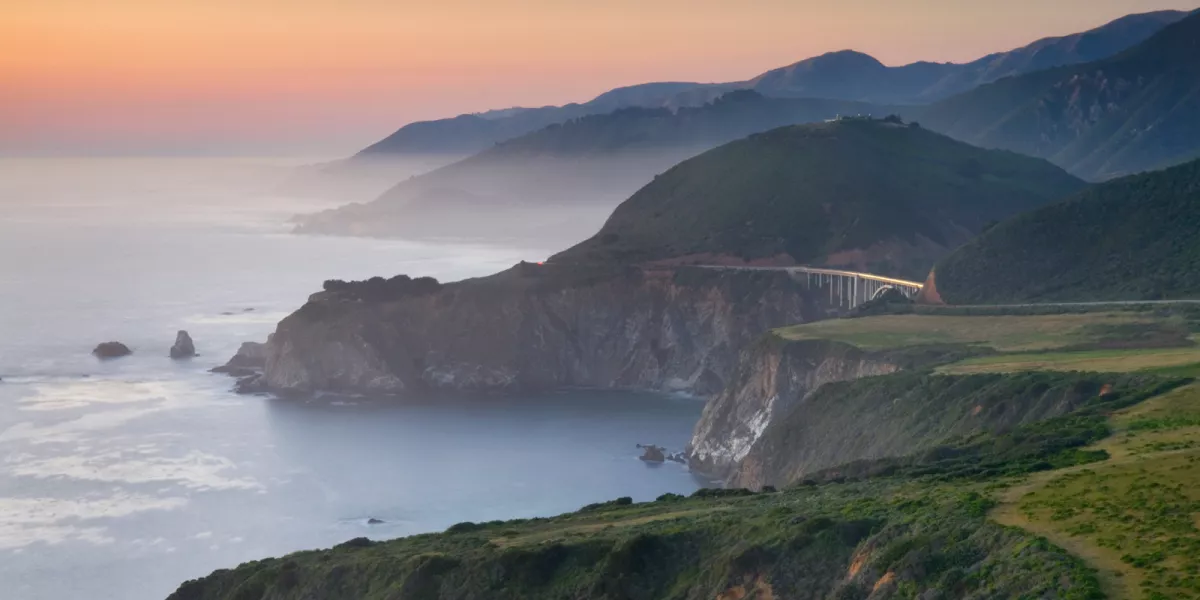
(1002, 333)
(853, 540)
(1134, 515)
(919, 424)
(378, 289)
(1029, 482)
(1120, 493)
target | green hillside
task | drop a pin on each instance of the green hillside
(872, 194)
(876, 540)
(1135, 238)
(1135, 111)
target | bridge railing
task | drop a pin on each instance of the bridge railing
(868, 276)
(846, 288)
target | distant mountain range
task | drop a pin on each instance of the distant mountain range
(590, 163)
(1135, 111)
(845, 75)
(868, 194)
(1133, 238)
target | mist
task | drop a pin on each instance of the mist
(136, 474)
(538, 200)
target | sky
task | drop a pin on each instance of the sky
(326, 77)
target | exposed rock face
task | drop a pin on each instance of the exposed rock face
(251, 358)
(247, 365)
(771, 378)
(183, 348)
(537, 327)
(877, 424)
(111, 350)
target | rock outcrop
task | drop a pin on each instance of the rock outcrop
(248, 365)
(111, 350)
(772, 377)
(183, 348)
(251, 358)
(537, 327)
(653, 454)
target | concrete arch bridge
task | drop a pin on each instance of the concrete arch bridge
(847, 289)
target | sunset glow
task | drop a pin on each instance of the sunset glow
(320, 75)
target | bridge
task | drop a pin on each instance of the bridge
(847, 289)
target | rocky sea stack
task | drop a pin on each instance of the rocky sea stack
(183, 348)
(652, 454)
(111, 350)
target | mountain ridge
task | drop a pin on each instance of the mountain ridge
(1135, 111)
(865, 79)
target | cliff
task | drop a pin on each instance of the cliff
(909, 420)
(771, 378)
(534, 327)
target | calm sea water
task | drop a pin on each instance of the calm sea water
(121, 479)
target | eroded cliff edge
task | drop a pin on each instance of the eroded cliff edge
(912, 421)
(535, 327)
(772, 377)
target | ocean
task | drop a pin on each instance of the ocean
(121, 479)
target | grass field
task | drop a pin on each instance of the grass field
(1177, 361)
(1135, 517)
(1000, 333)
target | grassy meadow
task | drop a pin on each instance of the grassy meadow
(1134, 517)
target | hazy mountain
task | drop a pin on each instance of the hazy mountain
(875, 195)
(468, 134)
(844, 75)
(1132, 238)
(857, 76)
(1131, 112)
(1096, 44)
(585, 167)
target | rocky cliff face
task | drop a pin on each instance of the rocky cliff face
(772, 377)
(536, 327)
(874, 424)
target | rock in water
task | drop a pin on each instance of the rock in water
(653, 454)
(183, 348)
(112, 350)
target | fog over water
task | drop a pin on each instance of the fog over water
(121, 479)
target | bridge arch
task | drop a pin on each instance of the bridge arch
(885, 289)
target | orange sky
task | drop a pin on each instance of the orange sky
(327, 76)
